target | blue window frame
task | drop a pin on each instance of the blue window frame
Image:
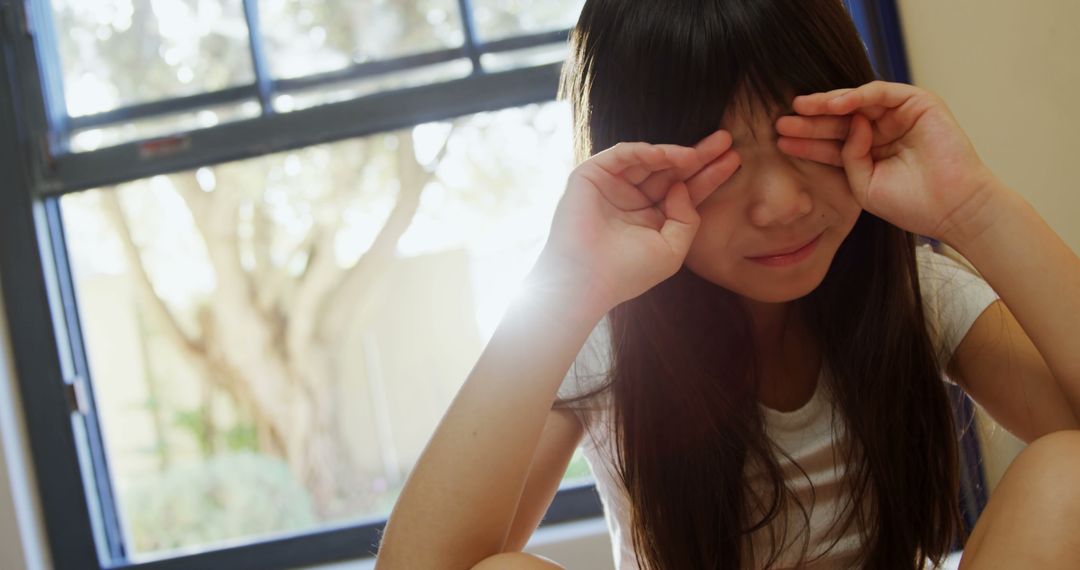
(38, 168)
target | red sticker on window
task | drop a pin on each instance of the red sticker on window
(165, 146)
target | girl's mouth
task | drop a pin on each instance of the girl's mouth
(791, 257)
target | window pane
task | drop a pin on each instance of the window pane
(305, 37)
(83, 140)
(343, 91)
(118, 52)
(501, 18)
(272, 341)
(540, 55)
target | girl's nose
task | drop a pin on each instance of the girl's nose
(780, 197)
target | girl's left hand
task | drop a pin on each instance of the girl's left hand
(906, 158)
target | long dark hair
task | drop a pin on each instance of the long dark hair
(683, 384)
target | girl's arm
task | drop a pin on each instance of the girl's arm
(1038, 277)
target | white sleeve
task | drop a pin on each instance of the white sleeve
(953, 298)
(592, 364)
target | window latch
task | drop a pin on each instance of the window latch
(75, 393)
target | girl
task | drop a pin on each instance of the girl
(759, 347)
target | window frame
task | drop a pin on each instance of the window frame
(65, 442)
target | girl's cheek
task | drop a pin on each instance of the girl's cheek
(723, 196)
(716, 214)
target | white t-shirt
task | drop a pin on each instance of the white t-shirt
(953, 298)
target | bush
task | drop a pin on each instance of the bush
(231, 496)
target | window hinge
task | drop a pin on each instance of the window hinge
(75, 392)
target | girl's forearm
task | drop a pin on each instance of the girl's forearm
(461, 497)
(1036, 274)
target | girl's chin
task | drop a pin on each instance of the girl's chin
(770, 289)
(777, 297)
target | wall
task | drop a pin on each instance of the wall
(1008, 72)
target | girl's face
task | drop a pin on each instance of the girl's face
(773, 204)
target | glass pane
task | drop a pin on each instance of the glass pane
(118, 52)
(304, 37)
(272, 341)
(84, 140)
(497, 19)
(540, 55)
(344, 91)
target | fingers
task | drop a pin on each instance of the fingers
(712, 146)
(825, 152)
(798, 133)
(705, 182)
(875, 93)
(639, 155)
(855, 154)
(656, 185)
(638, 176)
(650, 217)
(613, 188)
(881, 95)
(609, 169)
(858, 163)
(703, 153)
(825, 127)
(682, 219)
(680, 159)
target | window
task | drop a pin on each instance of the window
(251, 248)
(300, 321)
(279, 234)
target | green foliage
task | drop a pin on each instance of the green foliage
(192, 422)
(230, 496)
(242, 437)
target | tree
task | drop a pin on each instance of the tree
(267, 338)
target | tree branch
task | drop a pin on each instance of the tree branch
(371, 268)
(115, 214)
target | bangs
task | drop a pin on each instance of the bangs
(667, 71)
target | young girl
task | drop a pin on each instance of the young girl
(759, 346)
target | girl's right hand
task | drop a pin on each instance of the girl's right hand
(628, 216)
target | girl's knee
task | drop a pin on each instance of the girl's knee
(1032, 512)
(516, 561)
(1057, 453)
(1050, 467)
